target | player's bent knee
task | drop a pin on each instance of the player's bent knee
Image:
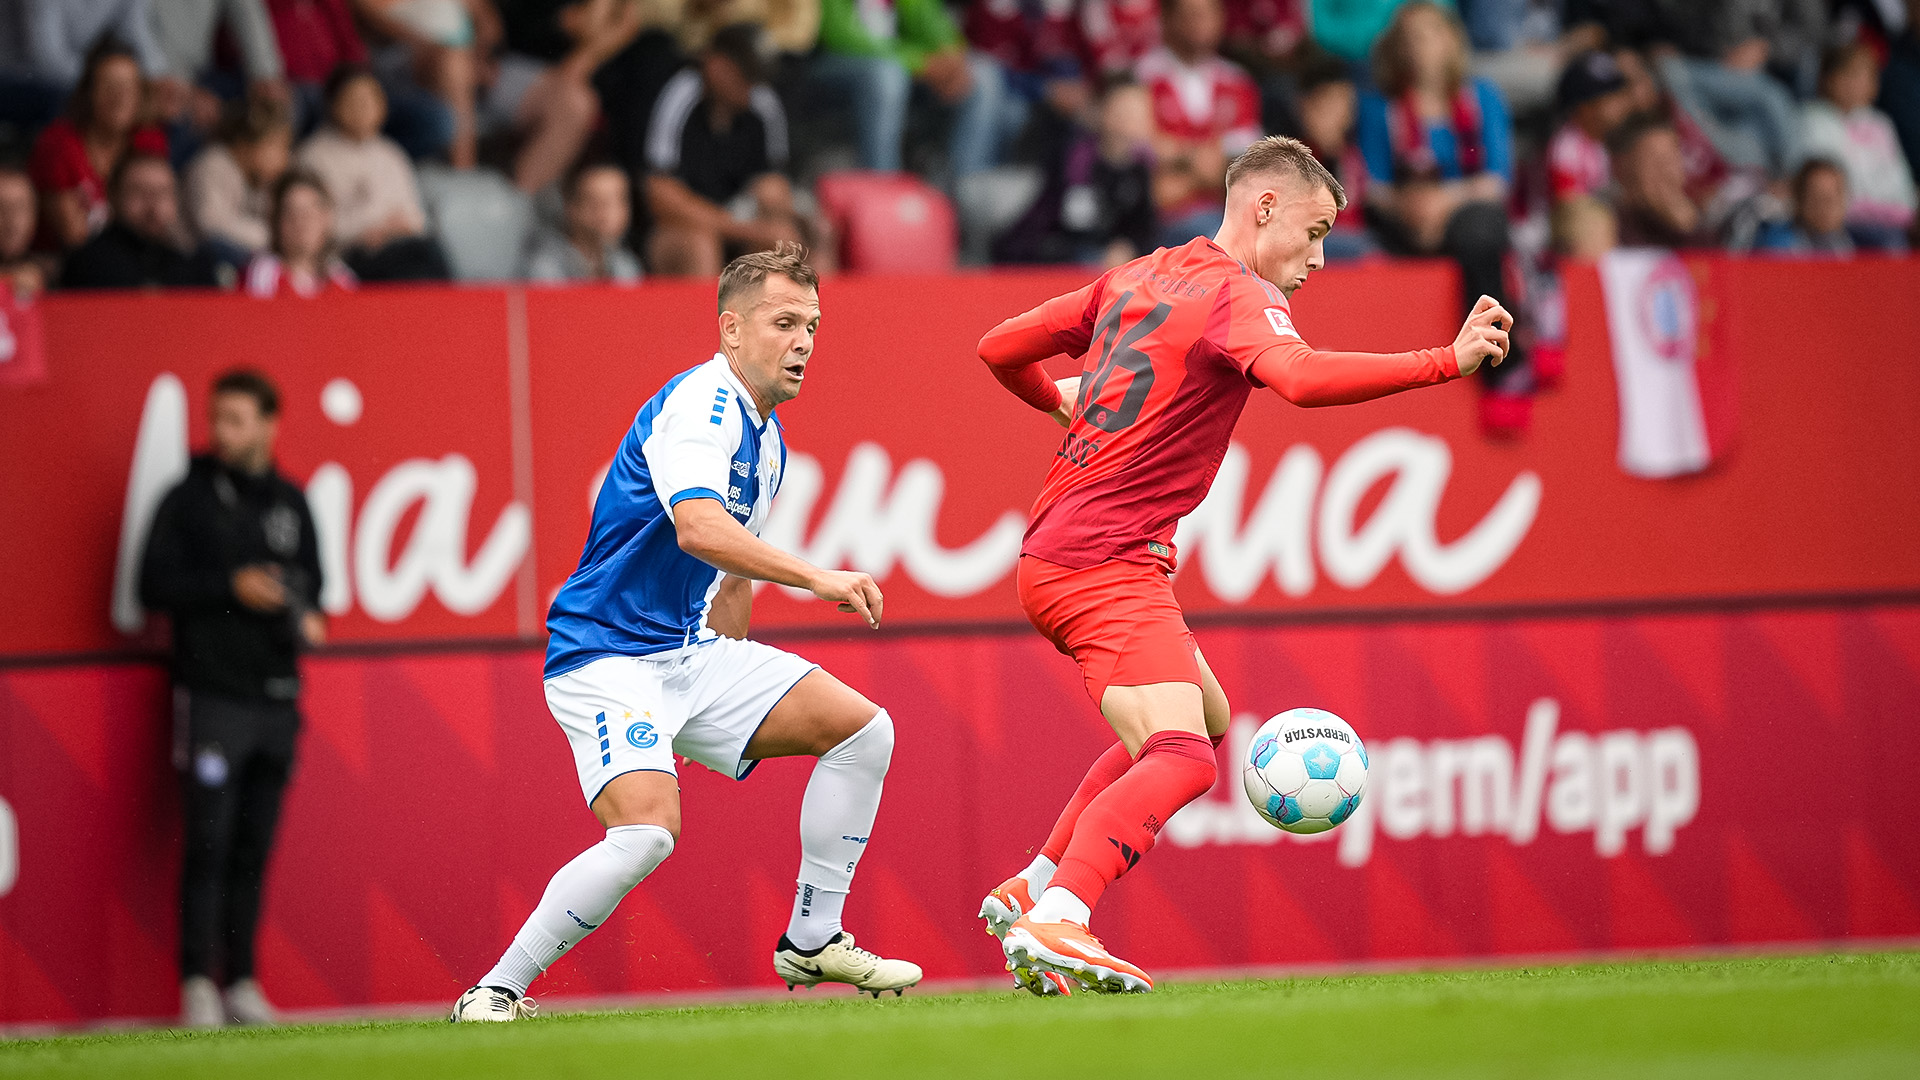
(638, 849)
(869, 748)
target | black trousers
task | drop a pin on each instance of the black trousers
(239, 757)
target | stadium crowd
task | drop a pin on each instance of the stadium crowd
(294, 146)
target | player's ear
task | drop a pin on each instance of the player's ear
(730, 328)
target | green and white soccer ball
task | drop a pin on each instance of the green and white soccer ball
(1306, 771)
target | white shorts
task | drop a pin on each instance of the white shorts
(627, 714)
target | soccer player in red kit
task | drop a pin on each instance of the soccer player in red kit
(1172, 345)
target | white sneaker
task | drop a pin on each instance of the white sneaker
(200, 1005)
(840, 961)
(490, 1003)
(247, 1005)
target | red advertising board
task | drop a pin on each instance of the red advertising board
(452, 440)
(1538, 786)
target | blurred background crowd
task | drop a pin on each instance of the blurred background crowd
(295, 146)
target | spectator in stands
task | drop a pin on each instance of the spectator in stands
(44, 46)
(378, 216)
(1900, 85)
(1650, 176)
(186, 32)
(76, 153)
(1350, 28)
(1328, 104)
(229, 186)
(1819, 225)
(1118, 34)
(1722, 83)
(317, 36)
(1265, 37)
(234, 560)
(1097, 205)
(141, 245)
(872, 54)
(1843, 126)
(1037, 45)
(592, 247)
(540, 90)
(300, 259)
(715, 145)
(20, 269)
(1584, 228)
(1206, 111)
(1707, 172)
(1438, 147)
(439, 45)
(1593, 100)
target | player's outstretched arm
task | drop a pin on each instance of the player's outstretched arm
(708, 533)
(1313, 378)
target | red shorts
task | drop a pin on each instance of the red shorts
(1118, 620)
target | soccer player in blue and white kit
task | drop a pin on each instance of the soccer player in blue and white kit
(649, 657)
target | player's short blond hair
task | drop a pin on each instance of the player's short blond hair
(1279, 155)
(748, 272)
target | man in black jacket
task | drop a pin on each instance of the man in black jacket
(234, 559)
(140, 247)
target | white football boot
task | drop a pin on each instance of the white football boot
(839, 960)
(490, 1003)
(200, 1004)
(246, 1004)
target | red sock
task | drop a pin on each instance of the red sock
(1119, 825)
(1107, 768)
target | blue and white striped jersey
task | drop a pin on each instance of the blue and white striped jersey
(635, 592)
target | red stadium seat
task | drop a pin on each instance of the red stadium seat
(890, 222)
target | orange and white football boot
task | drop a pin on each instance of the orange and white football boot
(1008, 901)
(1070, 949)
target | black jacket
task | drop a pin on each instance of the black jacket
(120, 258)
(215, 522)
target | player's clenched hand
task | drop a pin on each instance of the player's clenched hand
(1484, 337)
(1069, 397)
(853, 591)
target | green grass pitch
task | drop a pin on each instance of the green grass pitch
(1839, 1015)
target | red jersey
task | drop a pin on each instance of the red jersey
(1576, 163)
(1214, 99)
(60, 164)
(267, 277)
(1172, 343)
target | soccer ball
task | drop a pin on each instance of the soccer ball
(1306, 771)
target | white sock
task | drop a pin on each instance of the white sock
(578, 899)
(1059, 905)
(836, 816)
(1039, 874)
(816, 917)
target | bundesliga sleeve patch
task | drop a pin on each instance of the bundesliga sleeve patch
(1282, 325)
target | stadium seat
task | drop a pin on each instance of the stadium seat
(889, 223)
(991, 200)
(480, 219)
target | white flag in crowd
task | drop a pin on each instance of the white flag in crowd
(1653, 318)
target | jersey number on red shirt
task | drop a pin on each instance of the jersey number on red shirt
(1116, 352)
